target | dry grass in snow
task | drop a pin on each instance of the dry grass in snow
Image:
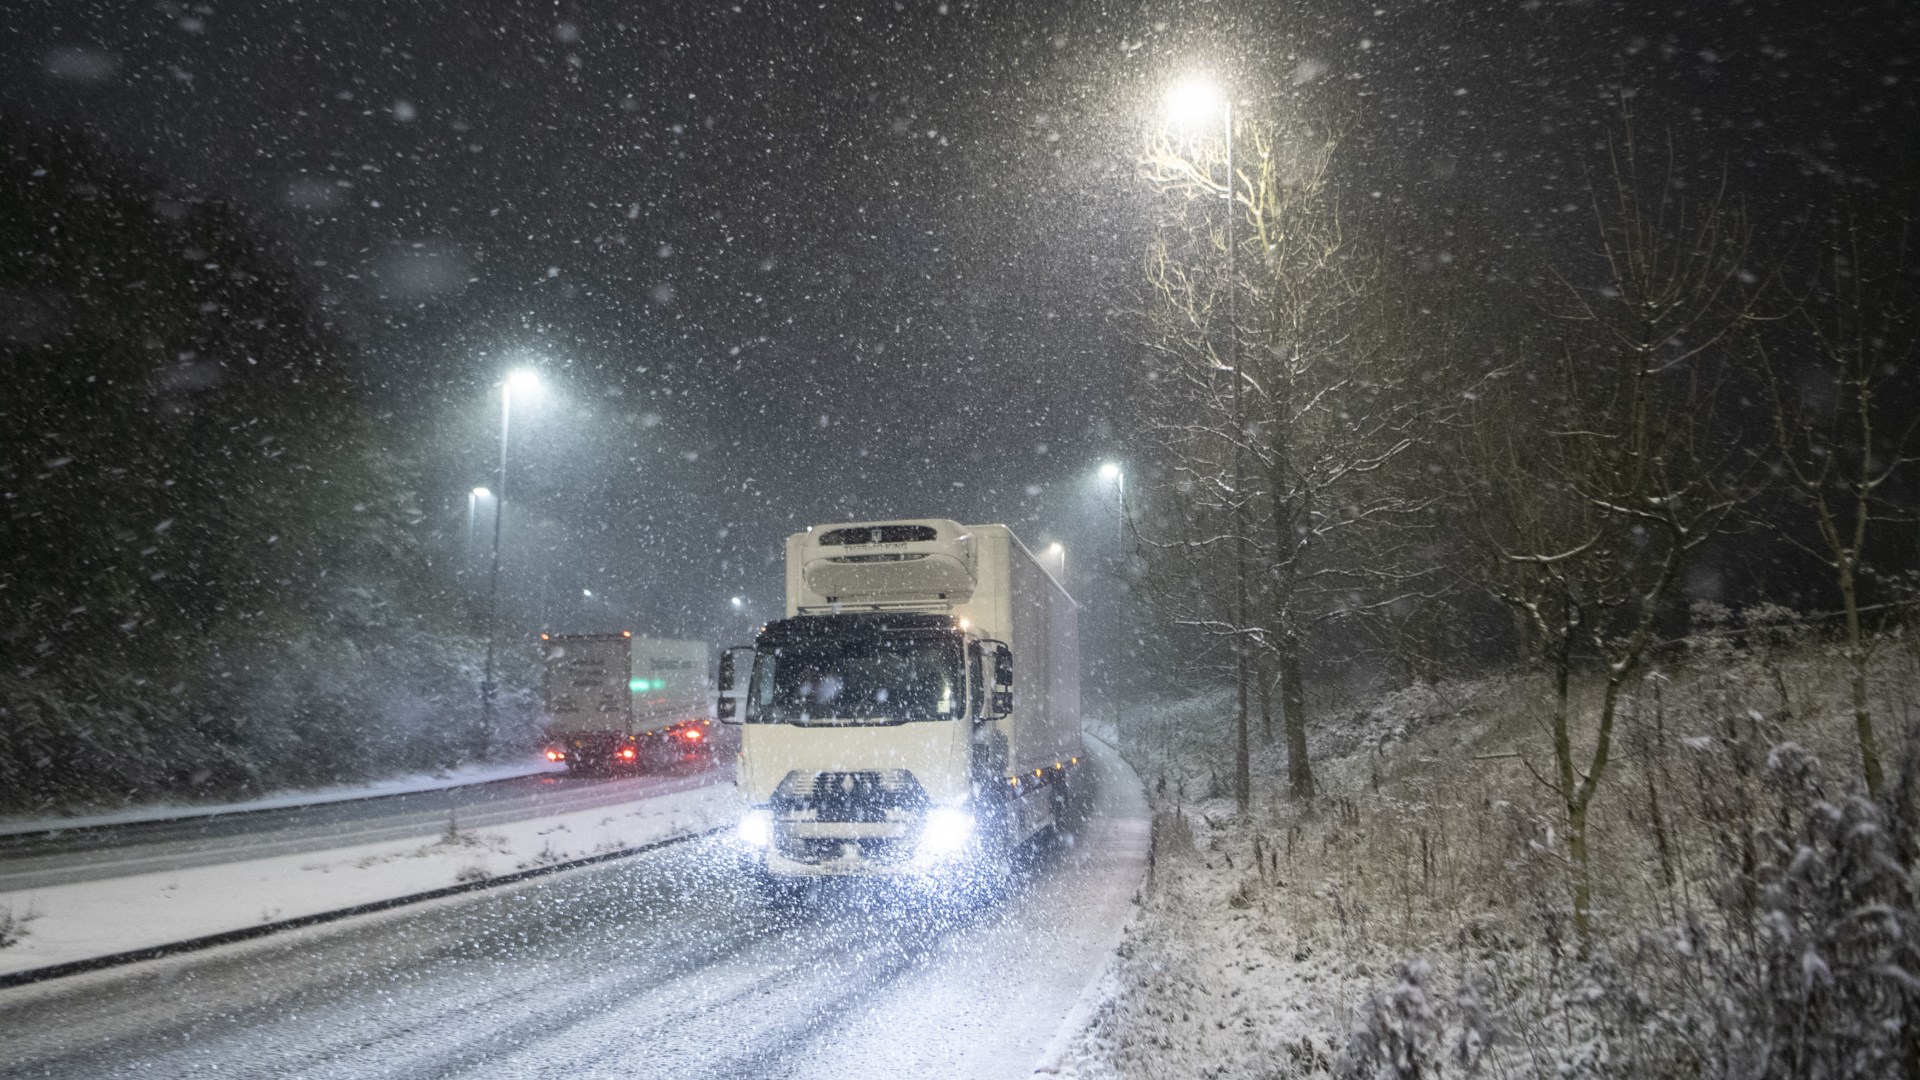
(1756, 915)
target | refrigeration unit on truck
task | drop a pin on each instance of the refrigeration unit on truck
(918, 710)
(615, 701)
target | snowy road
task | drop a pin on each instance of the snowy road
(660, 965)
(40, 860)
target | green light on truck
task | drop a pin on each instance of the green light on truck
(642, 685)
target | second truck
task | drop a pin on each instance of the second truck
(918, 710)
(618, 702)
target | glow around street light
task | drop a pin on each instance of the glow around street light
(1109, 472)
(1194, 103)
(738, 603)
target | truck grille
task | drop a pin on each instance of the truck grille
(898, 557)
(878, 795)
(814, 849)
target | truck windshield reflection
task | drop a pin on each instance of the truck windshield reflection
(888, 679)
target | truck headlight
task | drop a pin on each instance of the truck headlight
(947, 830)
(756, 828)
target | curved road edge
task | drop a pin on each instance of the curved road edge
(1098, 988)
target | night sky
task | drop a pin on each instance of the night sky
(784, 263)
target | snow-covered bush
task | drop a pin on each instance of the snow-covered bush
(1755, 916)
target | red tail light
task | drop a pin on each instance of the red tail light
(692, 734)
(627, 753)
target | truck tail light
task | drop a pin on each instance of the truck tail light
(691, 734)
(627, 753)
(555, 755)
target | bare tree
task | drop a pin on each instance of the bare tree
(1597, 468)
(1838, 438)
(1285, 418)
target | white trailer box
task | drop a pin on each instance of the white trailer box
(926, 681)
(584, 683)
(618, 701)
(669, 682)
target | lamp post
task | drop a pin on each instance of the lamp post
(525, 381)
(1192, 104)
(1056, 557)
(473, 506)
(1112, 474)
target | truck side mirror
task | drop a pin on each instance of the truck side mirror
(1003, 678)
(732, 679)
(993, 680)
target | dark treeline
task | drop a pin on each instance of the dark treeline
(213, 571)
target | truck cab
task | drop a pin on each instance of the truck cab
(887, 724)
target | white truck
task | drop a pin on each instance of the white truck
(615, 701)
(916, 713)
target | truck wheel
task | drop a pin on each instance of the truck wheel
(992, 867)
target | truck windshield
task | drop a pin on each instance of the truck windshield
(868, 679)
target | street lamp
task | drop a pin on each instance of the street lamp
(526, 382)
(1192, 104)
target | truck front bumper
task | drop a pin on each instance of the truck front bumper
(932, 842)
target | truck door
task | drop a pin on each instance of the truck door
(990, 695)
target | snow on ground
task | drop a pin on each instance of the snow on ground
(1418, 912)
(64, 923)
(1041, 957)
(398, 785)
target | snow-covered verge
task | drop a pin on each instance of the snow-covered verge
(65, 923)
(1754, 915)
(461, 776)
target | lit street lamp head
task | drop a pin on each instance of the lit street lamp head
(1194, 104)
(1109, 473)
(523, 381)
(482, 493)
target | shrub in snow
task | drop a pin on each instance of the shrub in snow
(1841, 942)
(1406, 1035)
